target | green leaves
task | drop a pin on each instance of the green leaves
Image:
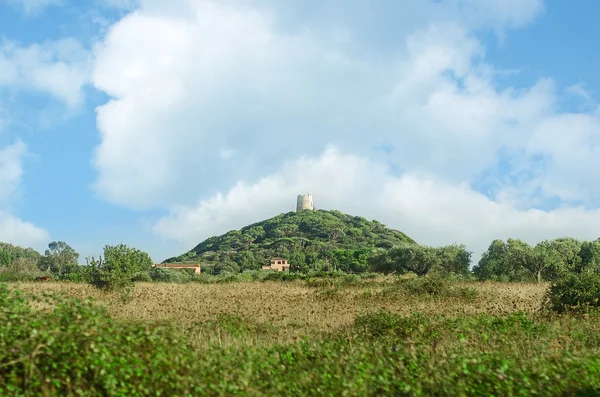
(421, 259)
(118, 267)
(60, 258)
(549, 260)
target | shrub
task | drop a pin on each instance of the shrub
(426, 286)
(78, 274)
(76, 349)
(160, 274)
(143, 277)
(118, 266)
(284, 276)
(574, 293)
(21, 269)
(385, 323)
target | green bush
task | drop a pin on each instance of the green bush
(161, 274)
(118, 266)
(21, 269)
(77, 274)
(141, 277)
(437, 286)
(76, 349)
(284, 276)
(574, 293)
(386, 323)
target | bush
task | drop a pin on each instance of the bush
(21, 269)
(386, 323)
(284, 276)
(79, 274)
(574, 293)
(118, 266)
(426, 286)
(160, 274)
(76, 349)
(142, 277)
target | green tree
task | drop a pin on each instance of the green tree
(419, 259)
(455, 258)
(495, 263)
(117, 267)
(5, 259)
(590, 257)
(380, 261)
(560, 257)
(523, 257)
(246, 260)
(59, 258)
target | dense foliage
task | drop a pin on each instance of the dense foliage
(317, 240)
(118, 267)
(549, 260)
(9, 253)
(421, 259)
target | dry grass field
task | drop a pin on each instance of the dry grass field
(286, 311)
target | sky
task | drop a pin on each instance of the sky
(161, 123)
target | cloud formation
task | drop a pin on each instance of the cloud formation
(207, 94)
(60, 68)
(13, 229)
(428, 208)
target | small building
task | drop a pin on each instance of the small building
(195, 266)
(278, 264)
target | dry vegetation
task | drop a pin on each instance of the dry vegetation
(283, 312)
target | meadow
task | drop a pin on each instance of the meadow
(345, 336)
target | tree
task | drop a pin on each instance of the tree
(455, 258)
(246, 260)
(118, 266)
(419, 259)
(590, 257)
(5, 258)
(561, 256)
(59, 258)
(495, 263)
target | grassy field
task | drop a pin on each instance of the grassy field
(333, 337)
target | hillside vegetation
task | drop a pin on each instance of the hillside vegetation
(314, 239)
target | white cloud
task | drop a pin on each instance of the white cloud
(16, 231)
(11, 169)
(192, 77)
(33, 7)
(59, 68)
(429, 209)
(13, 229)
(207, 93)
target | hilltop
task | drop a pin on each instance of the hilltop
(307, 238)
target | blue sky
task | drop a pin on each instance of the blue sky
(159, 124)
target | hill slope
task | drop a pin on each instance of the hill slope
(306, 238)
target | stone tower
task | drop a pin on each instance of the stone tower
(305, 202)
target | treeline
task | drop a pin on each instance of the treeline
(117, 266)
(549, 260)
(510, 260)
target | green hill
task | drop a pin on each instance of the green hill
(308, 239)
